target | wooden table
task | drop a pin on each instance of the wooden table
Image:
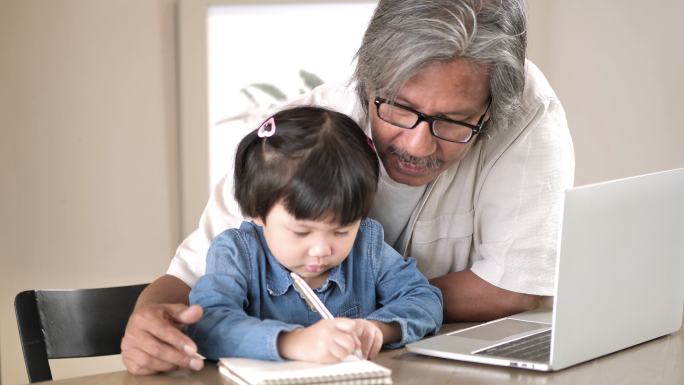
(659, 362)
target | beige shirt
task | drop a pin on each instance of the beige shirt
(496, 212)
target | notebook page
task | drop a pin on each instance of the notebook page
(256, 372)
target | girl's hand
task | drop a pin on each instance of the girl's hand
(371, 337)
(326, 341)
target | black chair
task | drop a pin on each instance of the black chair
(71, 323)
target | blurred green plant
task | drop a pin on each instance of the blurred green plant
(275, 96)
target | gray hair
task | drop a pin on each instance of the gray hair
(405, 36)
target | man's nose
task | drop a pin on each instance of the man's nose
(419, 142)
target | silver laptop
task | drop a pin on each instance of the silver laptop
(618, 281)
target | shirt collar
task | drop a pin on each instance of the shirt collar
(335, 275)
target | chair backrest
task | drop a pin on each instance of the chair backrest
(71, 323)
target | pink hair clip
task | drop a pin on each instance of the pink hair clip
(267, 128)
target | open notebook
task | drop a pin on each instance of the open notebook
(244, 371)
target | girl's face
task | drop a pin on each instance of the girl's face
(308, 248)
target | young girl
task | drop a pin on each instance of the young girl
(307, 178)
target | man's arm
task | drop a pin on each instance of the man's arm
(154, 341)
(468, 297)
(165, 289)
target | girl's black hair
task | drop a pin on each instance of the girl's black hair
(319, 163)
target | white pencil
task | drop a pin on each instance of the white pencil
(310, 297)
(314, 302)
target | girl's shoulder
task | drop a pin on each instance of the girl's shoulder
(370, 231)
(247, 232)
(370, 225)
(236, 244)
(371, 241)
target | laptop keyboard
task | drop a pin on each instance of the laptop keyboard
(535, 347)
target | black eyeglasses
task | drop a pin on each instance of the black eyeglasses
(442, 128)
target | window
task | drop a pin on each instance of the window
(238, 61)
(261, 56)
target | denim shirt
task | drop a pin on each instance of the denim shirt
(249, 298)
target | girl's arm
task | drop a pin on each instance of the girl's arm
(225, 328)
(409, 306)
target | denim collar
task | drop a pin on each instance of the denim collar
(278, 279)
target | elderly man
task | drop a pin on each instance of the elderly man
(475, 151)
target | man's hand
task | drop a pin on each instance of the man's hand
(154, 342)
(326, 341)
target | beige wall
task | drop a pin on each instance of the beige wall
(88, 149)
(88, 152)
(618, 67)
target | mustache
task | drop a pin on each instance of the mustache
(429, 162)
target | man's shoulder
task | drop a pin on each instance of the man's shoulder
(537, 88)
(540, 113)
